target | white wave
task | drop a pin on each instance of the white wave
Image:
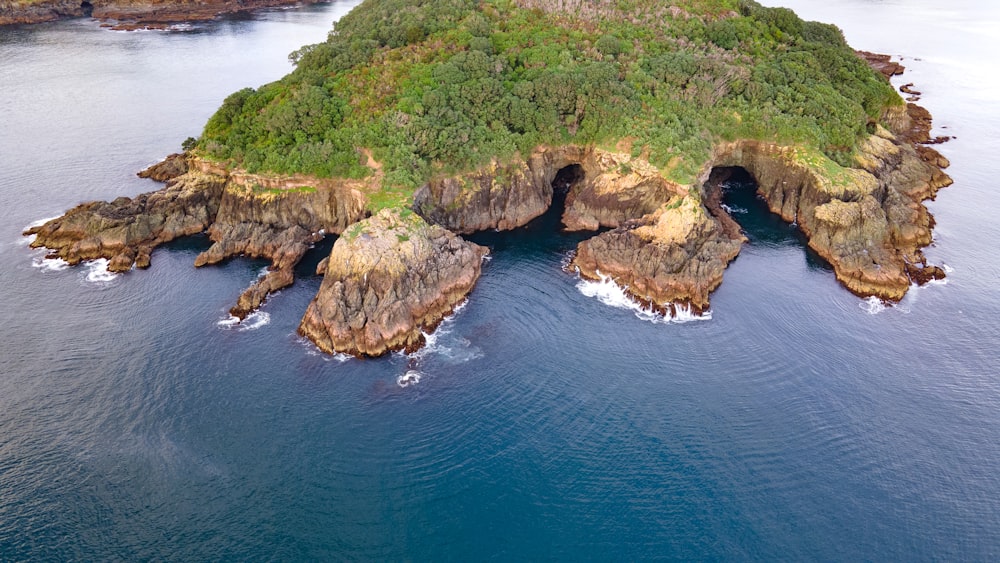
(97, 271)
(442, 344)
(253, 321)
(311, 349)
(947, 269)
(27, 240)
(610, 293)
(873, 305)
(411, 377)
(50, 264)
(731, 209)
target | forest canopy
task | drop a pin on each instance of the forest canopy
(440, 86)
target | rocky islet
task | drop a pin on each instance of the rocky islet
(397, 273)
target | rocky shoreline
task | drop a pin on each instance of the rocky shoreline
(127, 15)
(392, 276)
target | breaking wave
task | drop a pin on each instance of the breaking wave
(97, 271)
(253, 321)
(411, 377)
(610, 293)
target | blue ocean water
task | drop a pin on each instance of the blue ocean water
(798, 423)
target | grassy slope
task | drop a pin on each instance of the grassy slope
(442, 86)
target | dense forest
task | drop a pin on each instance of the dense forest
(440, 86)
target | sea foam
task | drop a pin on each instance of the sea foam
(253, 321)
(610, 293)
(411, 377)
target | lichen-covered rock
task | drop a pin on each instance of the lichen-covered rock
(868, 222)
(675, 256)
(388, 278)
(167, 169)
(127, 229)
(611, 188)
(278, 219)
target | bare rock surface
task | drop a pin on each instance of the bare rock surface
(388, 279)
(127, 229)
(674, 256)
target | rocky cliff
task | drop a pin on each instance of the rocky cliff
(388, 278)
(607, 189)
(126, 230)
(868, 222)
(277, 218)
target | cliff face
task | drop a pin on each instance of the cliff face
(278, 219)
(612, 188)
(868, 222)
(387, 279)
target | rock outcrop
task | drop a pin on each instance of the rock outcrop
(868, 222)
(611, 188)
(130, 14)
(388, 278)
(278, 219)
(673, 257)
(167, 169)
(126, 230)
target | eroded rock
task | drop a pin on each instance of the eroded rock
(674, 256)
(388, 278)
(279, 220)
(127, 229)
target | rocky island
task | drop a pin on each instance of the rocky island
(417, 122)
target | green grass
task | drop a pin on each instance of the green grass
(440, 87)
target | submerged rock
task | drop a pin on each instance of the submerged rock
(388, 279)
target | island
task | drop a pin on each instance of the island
(418, 122)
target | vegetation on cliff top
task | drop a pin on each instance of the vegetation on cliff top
(441, 86)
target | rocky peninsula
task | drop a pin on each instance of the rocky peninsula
(413, 125)
(130, 14)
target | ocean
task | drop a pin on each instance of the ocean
(547, 419)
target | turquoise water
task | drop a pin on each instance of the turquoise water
(798, 423)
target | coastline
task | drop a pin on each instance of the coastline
(129, 15)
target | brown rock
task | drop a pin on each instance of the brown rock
(882, 63)
(170, 168)
(389, 278)
(279, 220)
(675, 256)
(612, 188)
(128, 228)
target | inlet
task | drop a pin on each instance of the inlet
(733, 197)
(566, 178)
(544, 233)
(87, 8)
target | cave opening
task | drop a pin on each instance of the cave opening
(746, 208)
(544, 233)
(87, 8)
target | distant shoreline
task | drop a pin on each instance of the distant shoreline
(127, 15)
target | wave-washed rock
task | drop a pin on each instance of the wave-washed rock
(388, 279)
(395, 275)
